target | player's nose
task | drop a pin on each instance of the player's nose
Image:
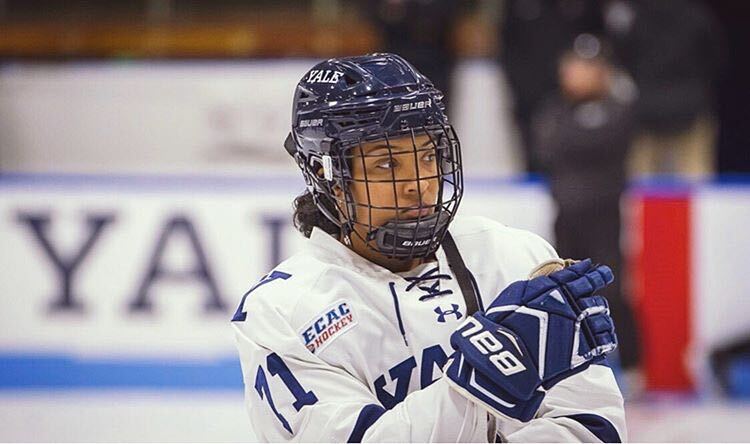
(418, 190)
(418, 187)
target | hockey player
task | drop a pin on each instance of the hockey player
(387, 327)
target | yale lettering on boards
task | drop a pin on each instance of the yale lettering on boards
(157, 269)
(66, 266)
(71, 264)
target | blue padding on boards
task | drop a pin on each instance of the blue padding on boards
(28, 372)
(739, 378)
(598, 425)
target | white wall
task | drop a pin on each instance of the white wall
(200, 116)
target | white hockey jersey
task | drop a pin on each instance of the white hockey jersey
(335, 348)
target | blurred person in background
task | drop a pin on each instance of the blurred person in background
(581, 135)
(733, 95)
(421, 31)
(533, 34)
(673, 50)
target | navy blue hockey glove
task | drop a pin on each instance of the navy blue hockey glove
(535, 334)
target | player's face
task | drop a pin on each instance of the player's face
(394, 180)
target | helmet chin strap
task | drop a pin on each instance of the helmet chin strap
(407, 239)
(346, 232)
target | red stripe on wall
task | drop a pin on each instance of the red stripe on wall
(662, 289)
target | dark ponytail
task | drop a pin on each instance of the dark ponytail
(307, 215)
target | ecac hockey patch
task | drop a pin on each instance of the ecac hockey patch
(332, 323)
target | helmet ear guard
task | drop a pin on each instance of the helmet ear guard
(290, 145)
(320, 179)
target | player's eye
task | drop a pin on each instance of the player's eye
(385, 164)
(429, 157)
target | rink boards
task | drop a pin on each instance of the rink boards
(118, 291)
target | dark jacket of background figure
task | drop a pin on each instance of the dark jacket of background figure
(582, 149)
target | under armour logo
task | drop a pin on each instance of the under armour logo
(443, 313)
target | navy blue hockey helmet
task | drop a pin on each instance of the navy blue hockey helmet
(342, 103)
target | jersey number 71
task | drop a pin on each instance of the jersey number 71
(277, 367)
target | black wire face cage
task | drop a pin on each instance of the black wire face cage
(412, 178)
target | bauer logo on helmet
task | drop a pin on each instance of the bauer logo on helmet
(422, 104)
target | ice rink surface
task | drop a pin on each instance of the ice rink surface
(688, 421)
(179, 416)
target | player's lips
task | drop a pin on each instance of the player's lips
(416, 213)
